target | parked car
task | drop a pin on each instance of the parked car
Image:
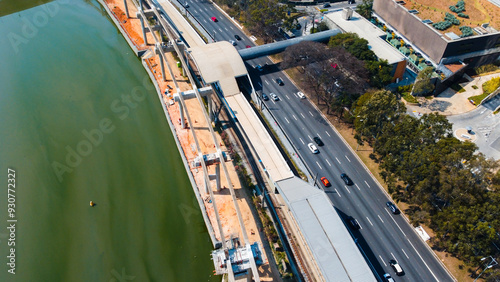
(318, 141)
(353, 222)
(346, 179)
(397, 268)
(325, 182)
(280, 81)
(388, 278)
(265, 97)
(274, 96)
(301, 95)
(237, 37)
(392, 207)
(313, 148)
(214, 19)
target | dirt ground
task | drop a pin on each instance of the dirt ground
(223, 199)
(479, 12)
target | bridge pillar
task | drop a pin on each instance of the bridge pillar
(159, 51)
(209, 102)
(217, 174)
(139, 15)
(126, 8)
(181, 112)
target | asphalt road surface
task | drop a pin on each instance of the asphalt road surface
(383, 235)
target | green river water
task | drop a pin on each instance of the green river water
(80, 121)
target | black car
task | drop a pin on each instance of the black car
(392, 207)
(237, 37)
(346, 179)
(318, 141)
(265, 97)
(280, 81)
(326, 5)
(353, 222)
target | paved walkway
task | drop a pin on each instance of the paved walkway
(450, 102)
(462, 114)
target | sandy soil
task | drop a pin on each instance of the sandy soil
(223, 199)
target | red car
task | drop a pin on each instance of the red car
(325, 182)
(214, 19)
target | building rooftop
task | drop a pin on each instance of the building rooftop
(332, 246)
(365, 29)
(220, 62)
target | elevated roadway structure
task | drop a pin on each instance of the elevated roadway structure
(327, 251)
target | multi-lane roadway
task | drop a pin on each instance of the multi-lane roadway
(382, 235)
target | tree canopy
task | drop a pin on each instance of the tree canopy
(446, 182)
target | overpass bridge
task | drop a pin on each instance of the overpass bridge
(328, 253)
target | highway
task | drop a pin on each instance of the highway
(382, 236)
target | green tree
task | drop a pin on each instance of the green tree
(380, 73)
(365, 9)
(263, 18)
(423, 84)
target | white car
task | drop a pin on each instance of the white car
(313, 148)
(233, 42)
(274, 96)
(301, 95)
(388, 278)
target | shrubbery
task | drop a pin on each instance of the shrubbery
(459, 7)
(462, 15)
(486, 68)
(466, 31)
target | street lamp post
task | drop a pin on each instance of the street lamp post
(492, 263)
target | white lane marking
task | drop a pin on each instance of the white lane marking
(294, 117)
(231, 27)
(327, 133)
(267, 82)
(226, 29)
(302, 115)
(393, 256)
(318, 135)
(423, 260)
(205, 21)
(322, 168)
(369, 221)
(337, 192)
(309, 136)
(367, 184)
(382, 260)
(205, 9)
(347, 158)
(380, 218)
(328, 162)
(287, 120)
(220, 30)
(260, 84)
(337, 160)
(357, 186)
(302, 141)
(273, 101)
(287, 97)
(395, 222)
(311, 113)
(347, 189)
(405, 254)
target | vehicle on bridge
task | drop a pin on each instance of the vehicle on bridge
(346, 179)
(325, 182)
(397, 268)
(313, 148)
(392, 207)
